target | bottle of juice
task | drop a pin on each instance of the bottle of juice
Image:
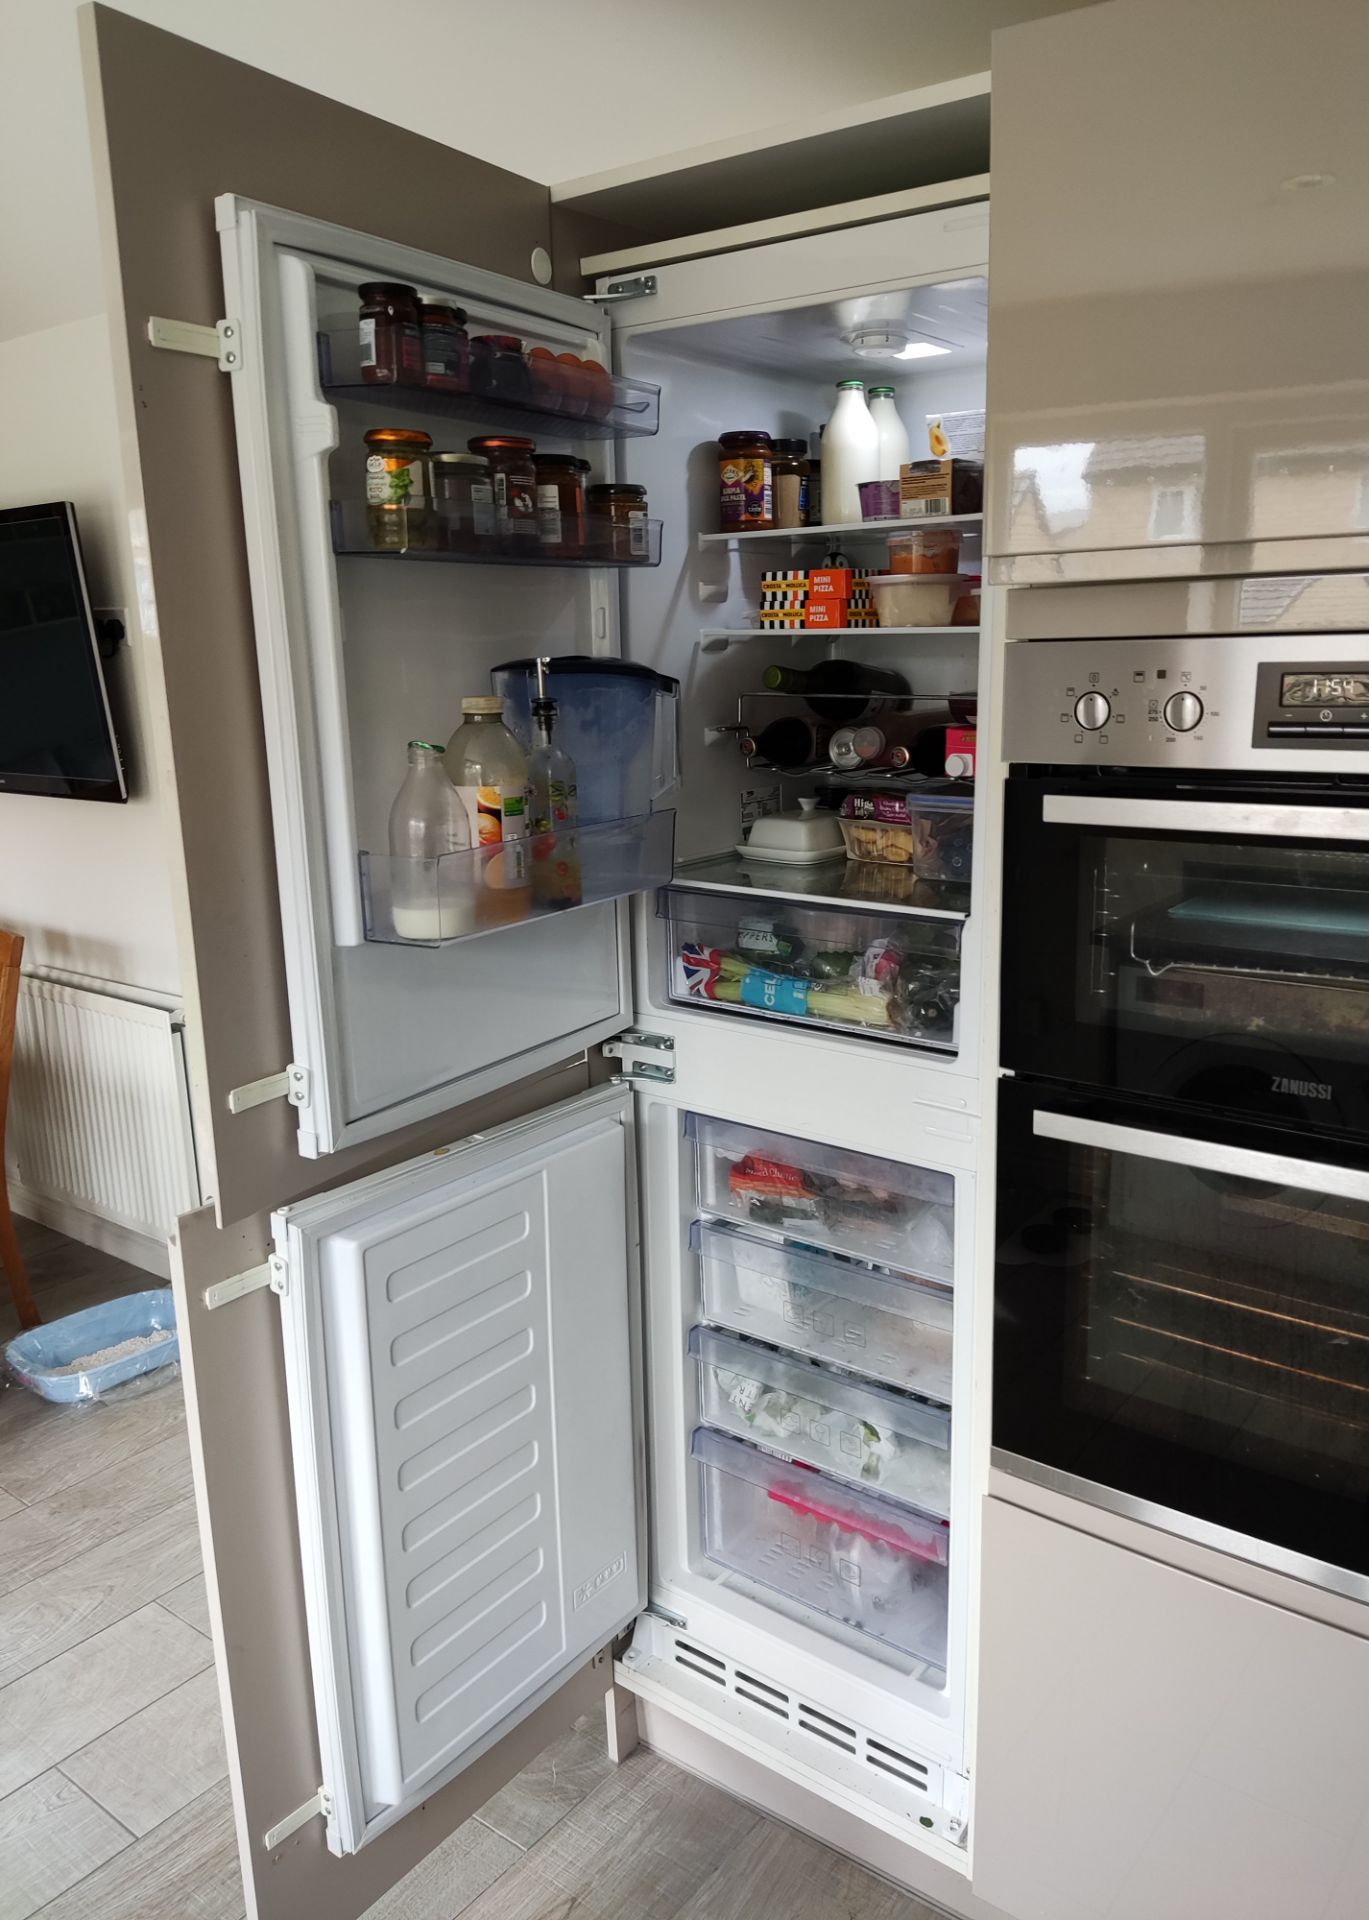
(556, 876)
(428, 900)
(489, 770)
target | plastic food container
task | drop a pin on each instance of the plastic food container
(854, 1203)
(845, 1553)
(888, 1325)
(934, 550)
(878, 499)
(935, 835)
(915, 599)
(795, 839)
(883, 1441)
(35, 1357)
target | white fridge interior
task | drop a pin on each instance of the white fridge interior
(809, 1483)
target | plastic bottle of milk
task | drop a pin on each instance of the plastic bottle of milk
(850, 454)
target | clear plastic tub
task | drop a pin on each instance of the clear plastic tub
(933, 836)
(848, 1554)
(855, 1203)
(882, 1323)
(884, 1442)
(915, 599)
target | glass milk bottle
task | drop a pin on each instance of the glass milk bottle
(850, 454)
(427, 821)
(489, 770)
(893, 435)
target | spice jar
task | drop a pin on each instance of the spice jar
(561, 505)
(746, 471)
(397, 489)
(618, 521)
(791, 482)
(514, 479)
(390, 334)
(463, 502)
(498, 368)
(446, 346)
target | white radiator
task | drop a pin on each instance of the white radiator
(100, 1138)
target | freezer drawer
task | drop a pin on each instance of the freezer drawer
(884, 975)
(854, 1556)
(854, 1203)
(862, 1433)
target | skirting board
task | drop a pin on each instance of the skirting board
(139, 1249)
(905, 1867)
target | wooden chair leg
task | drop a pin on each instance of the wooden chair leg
(13, 1262)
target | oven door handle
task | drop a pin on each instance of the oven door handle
(1211, 1156)
(1207, 816)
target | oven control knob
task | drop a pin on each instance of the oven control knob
(1183, 711)
(1092, 711)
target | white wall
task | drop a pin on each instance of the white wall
(87, 884)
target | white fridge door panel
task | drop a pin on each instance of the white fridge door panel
(459, 1364)
(354, 660)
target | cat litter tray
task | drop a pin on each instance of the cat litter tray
(37, 1358)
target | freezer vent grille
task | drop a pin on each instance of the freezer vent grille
(763, 1696)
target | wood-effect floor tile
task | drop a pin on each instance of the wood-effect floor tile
(69, 1443)
(553, 1786)
(190, 1602)
(777, 1872)
(53, 1531)
(453, 1875)
(185, 1869)
(51, 1837)
(153, 1763)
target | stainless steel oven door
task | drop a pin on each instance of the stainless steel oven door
(1182, 1326)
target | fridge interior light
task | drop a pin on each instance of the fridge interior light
(884, 343)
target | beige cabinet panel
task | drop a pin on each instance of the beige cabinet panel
(1156, 1747)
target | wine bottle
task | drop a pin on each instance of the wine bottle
(833, 688)
(790, 741)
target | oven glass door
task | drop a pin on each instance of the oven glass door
(1182, 1324)
(1210, 947)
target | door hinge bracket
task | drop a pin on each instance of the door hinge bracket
(658, 1612)
(291, 1084)
(321, 1804)
(629, 1044)
(222, 342)
(271, 1273)
(636, 287)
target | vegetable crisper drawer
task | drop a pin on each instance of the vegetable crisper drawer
(856, 1203)
(887, 976)
(880, 1440)
(854, 1556)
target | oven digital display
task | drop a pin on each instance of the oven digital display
(1324, 690)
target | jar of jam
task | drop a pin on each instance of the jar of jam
(463, 502)
(747, 472)
(390, 334)
(514, 479)
(561, 505)
(498, 369)
(446, 346)
(791, 482)
(398, 497)
(618, 521)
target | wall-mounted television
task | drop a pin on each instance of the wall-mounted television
(56, 731)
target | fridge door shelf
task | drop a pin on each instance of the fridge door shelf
(561, 405)
(854, 1556)
(855, 971)
(422, 533)
(480, 890)
(852, 1203)
(884, 1442)
(878, 1322)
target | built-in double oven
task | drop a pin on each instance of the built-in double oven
(1182, 1283)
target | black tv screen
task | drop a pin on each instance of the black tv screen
(56, 734)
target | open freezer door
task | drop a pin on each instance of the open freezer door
(459, 1364)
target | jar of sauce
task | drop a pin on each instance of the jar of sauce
(498, 369)
(747, 474)
(514, 479)
(463, 502)
(446, 346)
(398, 495)
(618, 521)
(561, 505)
(390, 334)
(791, 482)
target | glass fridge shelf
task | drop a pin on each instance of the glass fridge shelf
(843, 529)
(435, 903)
(564, 403)
(719, 639)
(419, 533)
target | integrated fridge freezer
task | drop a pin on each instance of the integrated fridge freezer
(690, 1355)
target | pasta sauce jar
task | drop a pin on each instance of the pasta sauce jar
(390, 334)
(746, 470)
(397, 489)
(514, 478)
(463, 502)
(618, 521)
(561, 504)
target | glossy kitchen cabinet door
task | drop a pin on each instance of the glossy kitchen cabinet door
(1152, 1744)
(1179, 278)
